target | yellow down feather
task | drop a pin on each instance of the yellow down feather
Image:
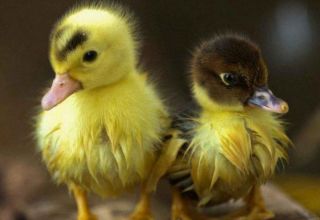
(103, 138)
(101, 141)
(232, 149)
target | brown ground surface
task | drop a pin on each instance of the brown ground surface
(27, 193)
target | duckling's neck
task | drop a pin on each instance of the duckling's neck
(217, 118)
(116, 91)
(100, 85)
(212, 107)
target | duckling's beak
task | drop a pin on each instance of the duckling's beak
(62, 87)
(265, 99)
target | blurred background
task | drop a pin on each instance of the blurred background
(287, 31)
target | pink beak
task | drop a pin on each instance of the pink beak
(62, 87)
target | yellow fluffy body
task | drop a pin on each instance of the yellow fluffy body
(103, 139)
(232, 149)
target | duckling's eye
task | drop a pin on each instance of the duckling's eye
(90, 56)
(230, 79)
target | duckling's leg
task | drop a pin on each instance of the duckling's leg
(180, 209)
(254, 209)
(143, 209)
(82, 203)
(256, 206)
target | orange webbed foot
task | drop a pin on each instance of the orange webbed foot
(141, 216)
(143, 209)
(87, 216)
(254, 209)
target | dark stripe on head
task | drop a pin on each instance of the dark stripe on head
(76, 40)
(59, 33)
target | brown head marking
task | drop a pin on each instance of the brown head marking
(234, 57)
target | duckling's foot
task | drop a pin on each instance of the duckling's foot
(143, 210)
(245, 214)
(187, 215)
(179, 215)
(254, 210)
(141, 216)
(256, 207)
(257, 214)
(87, 216)
(80, 196)
(180, 209)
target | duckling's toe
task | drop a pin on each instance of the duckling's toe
(87, 217)
(141, 216)
(257, 214)
(180, 216)
(254, 214)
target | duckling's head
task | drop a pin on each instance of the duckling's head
(90, 47)
(228, 73)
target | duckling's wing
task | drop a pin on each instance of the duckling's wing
(174, 143)
(179, 174)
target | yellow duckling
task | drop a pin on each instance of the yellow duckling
(231, 143)
(103, 121)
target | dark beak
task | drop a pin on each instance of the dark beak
(264, 98)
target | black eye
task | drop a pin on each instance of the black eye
(90, 56)
(230, 79)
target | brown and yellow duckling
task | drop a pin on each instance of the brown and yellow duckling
(231, 144)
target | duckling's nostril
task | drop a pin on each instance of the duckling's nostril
(284, 108)
(261, 97)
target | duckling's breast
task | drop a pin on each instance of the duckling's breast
(225, 157)
(90, 160)
(97, 146)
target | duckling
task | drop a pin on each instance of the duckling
(231, 142)
(102, 120)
